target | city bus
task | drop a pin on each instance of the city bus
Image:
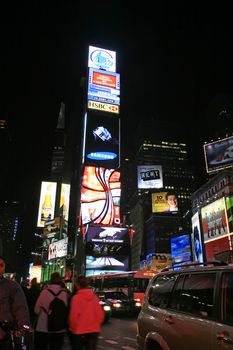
(132, 283)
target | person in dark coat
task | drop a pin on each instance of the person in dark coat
(32, 295)
(13, 306)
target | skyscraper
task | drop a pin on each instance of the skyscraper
(160, 146)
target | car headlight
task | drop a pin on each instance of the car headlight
(138, 304)
(116, 305)
(107, 308)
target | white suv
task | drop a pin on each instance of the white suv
(188, 309)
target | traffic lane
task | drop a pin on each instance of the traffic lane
(118, 333)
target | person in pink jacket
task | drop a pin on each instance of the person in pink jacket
(85, 317)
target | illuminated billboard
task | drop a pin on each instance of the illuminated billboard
(102, 59)
(100, 196)
(197, 239)
(149, 176)
(106, 264)
(35, 272)
(65, 200)
(46, 203)
(107, 234)
(164, 202)
(217, 247)
(181, 249)
(58, 249)
(103, 107)
(158, 261)
(101, 146)
(214, 221)
(229, 209)
(54, 229)
(219, 154)
(103, 87)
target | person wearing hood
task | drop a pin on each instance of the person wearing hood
(85, 317)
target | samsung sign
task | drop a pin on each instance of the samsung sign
(101, 155)
(101, 141)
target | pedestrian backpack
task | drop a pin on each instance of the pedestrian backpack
(57, 313)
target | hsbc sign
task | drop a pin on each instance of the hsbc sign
(106, 107)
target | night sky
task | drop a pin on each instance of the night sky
(174, 60)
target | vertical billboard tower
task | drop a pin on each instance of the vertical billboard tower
(101, 186)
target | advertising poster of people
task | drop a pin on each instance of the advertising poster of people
(196, 239)
(214, 220)
(164, 202)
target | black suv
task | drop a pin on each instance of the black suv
(188, 308)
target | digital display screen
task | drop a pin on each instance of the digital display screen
(181, 249)
(101, 141)
(103, 86)
(100, 196)
(107, 234)
(106, 264)
(219, 154)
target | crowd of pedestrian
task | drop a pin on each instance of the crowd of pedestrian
(50, 312)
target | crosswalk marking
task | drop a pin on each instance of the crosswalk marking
(110, 341)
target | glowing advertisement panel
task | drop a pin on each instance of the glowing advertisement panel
(108, 234)
(181, 249)
(214, 221)
(229, 209)
(46, 203)
(149, 176)
(35, 272)
(101, 141)
(164, 202)
(159, 261)
(219, 154)
(58, 249)
(65, 200)
(106, 264)
(106, 249)
(216, 247)
(103, 107)
(102, 59)
(100, 196)
(103, 87)
(197, 239)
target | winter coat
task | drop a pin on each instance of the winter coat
(13, 304)
(86, 315)
(42, 306)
